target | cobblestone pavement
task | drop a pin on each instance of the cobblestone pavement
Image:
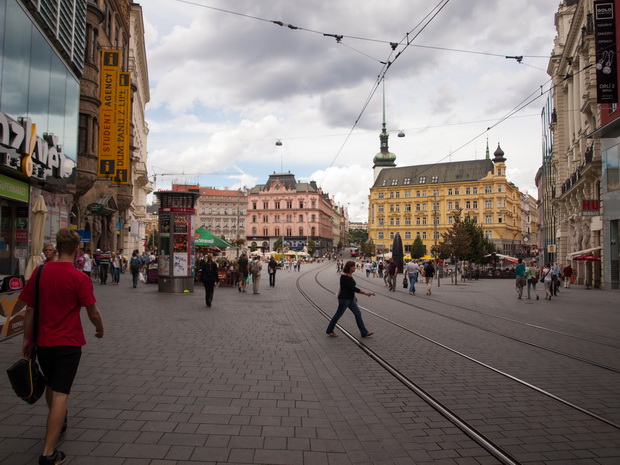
(255, 380)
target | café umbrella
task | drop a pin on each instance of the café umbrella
(39, 212)
(204, 238)
(588, 258)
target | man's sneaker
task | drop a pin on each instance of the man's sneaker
(55, 459)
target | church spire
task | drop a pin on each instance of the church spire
(384, 158)
(488, 157)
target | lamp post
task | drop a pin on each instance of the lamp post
(435, 221)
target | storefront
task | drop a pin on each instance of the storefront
(39, 104)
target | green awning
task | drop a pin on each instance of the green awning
(205, 238)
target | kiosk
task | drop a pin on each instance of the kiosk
(175, 257)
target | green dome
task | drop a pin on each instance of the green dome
(382, 158)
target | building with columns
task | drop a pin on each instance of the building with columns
(573, 168)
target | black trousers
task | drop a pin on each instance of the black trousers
(103, 273)
(272, 279)
(209, 293)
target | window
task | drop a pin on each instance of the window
(265, 205)
(418, 221)
(423, 235)
(289, 204)
(499, 219)
(289, 231)
(392, 235)
(499, 203)
(314, 205)
(301, 218)
(391, 195)
(467, 190)
(488, 219)
(475, 190)
(475, 218)
(488, 204)
(407, 194)
(450, 206)
(488, 189)
(253, 206)
(265, 232)
(384, 181)
(450, 191)
(397, 194)
(423, 193)
(435, 206)
(380, 195)
(457, 191)
(407, 207)
(499, 188)
(436, 193)
(408, 235)
(380, 209)
(277, 205)
(254, 231)
(277, 218)
(488, 234)
(391, 208)
(253, 218)
(417, 207)
(394, 182)
(381, 222)
(422, 180)
(301, 231)
(435, 179)
(265, 219)
(391, 221)
(423, 207)
(397, 221)
(380, 235)
(475, 205)
(435, 220)
(289, 218)
(457, 205)
(468, 204)
(450, 220)
(313, 219)
(408, 221)
(301, 204)
(397, 207)
(407, 181)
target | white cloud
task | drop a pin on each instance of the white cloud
(226, 87)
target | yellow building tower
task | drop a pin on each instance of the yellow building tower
(422, 200)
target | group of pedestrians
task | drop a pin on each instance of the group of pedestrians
(550, 275)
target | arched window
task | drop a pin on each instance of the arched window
(313, 231)
(301, 231)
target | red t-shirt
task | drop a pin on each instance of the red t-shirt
(63, 291)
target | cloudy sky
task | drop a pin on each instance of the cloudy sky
(226, 85)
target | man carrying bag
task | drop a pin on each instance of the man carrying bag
(63, 291)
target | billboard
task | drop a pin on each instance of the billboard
(606, 57)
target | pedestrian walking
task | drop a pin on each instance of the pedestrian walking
(272, 267)
(546, 276)
(116, 265)
(104, 265)
(256, 268)
(555, 278)
(392, 274)
(567, 273)
(429, 274)
(412, 270)
(347, 299)
(135, 263)
(49, 253)
(88, 263)
(63, 291)
(209, 278)
(520, 281)
(532, 279)
(243, 271)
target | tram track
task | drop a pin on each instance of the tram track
(492, 331)
(484, 442)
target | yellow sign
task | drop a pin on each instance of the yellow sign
(123, 123)
(108, 126)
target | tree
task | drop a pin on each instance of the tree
(311, 246)
(456, 240)
(418, 249)
(277, 245)
(358, 236)
(339, 246)
(480, 246)
(368, 248)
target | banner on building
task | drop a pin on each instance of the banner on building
(606, 59)
(114, 119)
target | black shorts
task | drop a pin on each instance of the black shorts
(59, 365)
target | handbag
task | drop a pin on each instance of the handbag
(405, 283)
(25, 376)
(534, 279)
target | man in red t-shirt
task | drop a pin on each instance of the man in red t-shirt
(63, 291)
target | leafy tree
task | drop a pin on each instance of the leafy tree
(339, 246)
(418, 249)
(480, 246)
(277, 245)
(368, 248)
(311, 246)
(456, 241)
(358, 236)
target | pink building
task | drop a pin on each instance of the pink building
(295, 211)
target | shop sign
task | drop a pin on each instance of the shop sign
(94, 207)
(551, 248)
(23, 150)
(590, 207)
(606, 54)
(13, 189)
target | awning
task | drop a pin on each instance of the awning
(205, 238)
(104, 205)
(583, 252)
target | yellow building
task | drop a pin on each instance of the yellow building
(421, 201)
